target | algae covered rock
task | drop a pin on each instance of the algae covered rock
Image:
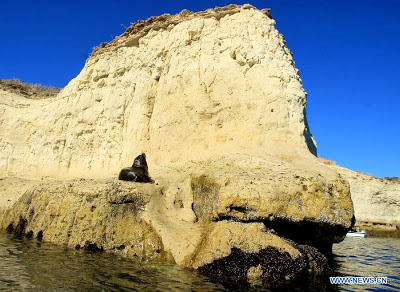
(91, 215)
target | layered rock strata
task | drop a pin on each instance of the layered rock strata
(215, 102)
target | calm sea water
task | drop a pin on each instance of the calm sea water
(369, 257)
(30, 265)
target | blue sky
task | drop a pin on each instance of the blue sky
(347, 53)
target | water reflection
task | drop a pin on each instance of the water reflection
(369, 257)
(29, 265)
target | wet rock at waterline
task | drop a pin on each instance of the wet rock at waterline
(183, 221)
(87, 214)
(234, 251)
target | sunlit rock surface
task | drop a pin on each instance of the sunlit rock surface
(215, 102)
(376, 201)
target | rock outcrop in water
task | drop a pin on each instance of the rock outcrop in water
(215, 101)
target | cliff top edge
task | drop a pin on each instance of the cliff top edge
(140, 28)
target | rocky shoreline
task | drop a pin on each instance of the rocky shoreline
(215, 102)
(120, 217)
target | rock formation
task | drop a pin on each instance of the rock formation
(215, 102)
(180, 88)
(376, 201)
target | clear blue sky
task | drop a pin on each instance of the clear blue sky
(347, 52)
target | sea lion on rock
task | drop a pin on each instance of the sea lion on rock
(138, 172)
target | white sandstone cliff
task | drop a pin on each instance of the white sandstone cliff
(376, 201)
(180, 88)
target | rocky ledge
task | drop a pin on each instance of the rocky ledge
(242, 222)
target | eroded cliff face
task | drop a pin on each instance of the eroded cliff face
(180, 88)
(376, 201)
(215, 102)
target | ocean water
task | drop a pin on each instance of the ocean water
(369, 257)
(31, 265)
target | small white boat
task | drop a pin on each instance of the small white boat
(356, 233)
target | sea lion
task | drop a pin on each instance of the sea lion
(138, 172)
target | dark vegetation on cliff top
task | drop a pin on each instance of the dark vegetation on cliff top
(394, 179)
(33, 91)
